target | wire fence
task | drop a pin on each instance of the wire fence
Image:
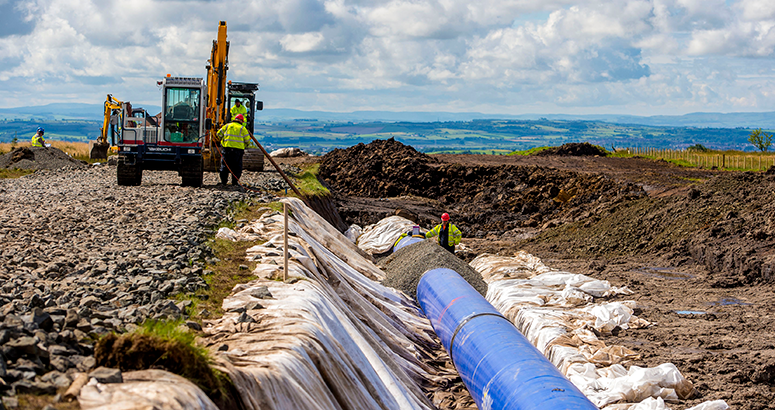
(737, 161)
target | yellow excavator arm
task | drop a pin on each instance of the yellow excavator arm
(99, 149)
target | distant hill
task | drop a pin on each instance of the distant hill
(58, 111)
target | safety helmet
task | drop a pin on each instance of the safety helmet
(239, 118)
(445, 217)
(40, 130)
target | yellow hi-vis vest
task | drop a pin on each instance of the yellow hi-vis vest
(234, 135)
(239, 110)
(37, 140)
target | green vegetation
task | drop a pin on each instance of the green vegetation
(168, 345)
(308, 183)
(14, 172)
(697, 147)
(530, 151)
(761, 140)
(477, 136)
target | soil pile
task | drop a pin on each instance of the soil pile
(482, 200)
(574, 149)
(726, 224)
(404, 268)
(39, 158)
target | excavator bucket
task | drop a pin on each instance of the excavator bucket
(98, 150)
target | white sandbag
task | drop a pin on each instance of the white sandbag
(353, 232)
(234, 236)
(145, 389)
(380, 237)
(287, 152)
(711, 405)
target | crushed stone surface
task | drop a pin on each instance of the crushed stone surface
(405, 267)
(82, 256)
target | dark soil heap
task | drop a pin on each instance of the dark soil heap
(39, 158)
(726, 224)
(574, 149)
(483, 200)
(404, 268)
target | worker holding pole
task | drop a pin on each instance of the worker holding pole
(234, 139)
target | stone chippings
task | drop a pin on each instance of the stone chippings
(405, 267)
(82, 256)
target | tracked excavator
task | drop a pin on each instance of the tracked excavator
(99, 149)
(183, 137)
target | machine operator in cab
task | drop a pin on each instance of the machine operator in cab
(238, 109)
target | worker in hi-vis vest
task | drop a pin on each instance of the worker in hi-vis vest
(448, 234)
(234, 139)
(37, 139)
(238, 109)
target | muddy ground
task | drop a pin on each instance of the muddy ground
(697, 246)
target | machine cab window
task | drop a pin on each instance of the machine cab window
(181, 114)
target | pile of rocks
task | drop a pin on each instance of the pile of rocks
(83, 256)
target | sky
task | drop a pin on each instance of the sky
(633, 57)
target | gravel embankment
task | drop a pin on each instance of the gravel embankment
(82, 256)
(404, 268)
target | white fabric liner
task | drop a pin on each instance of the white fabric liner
(333, 339)
(145, 389)
(380, 237)
(557, 312)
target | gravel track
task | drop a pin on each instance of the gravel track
(82, 256)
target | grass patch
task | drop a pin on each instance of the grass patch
(225, 272)
(32, 401)
(531, 151)
(14, 172)
(308, 184)
(165, 345)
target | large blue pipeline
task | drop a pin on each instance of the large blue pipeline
(498, 365)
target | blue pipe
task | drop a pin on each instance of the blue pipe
(498, 365)
(406, 241)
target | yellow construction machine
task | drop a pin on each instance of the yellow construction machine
(99, 149)
(221, 96)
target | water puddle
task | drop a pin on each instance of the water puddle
(690, 312)
(663, 273)
(729, 302)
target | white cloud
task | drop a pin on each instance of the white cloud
(499, 55)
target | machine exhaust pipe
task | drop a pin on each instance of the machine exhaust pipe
(498, 365)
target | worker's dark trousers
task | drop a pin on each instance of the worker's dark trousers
(233, 158)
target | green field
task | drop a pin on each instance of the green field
(478, 136)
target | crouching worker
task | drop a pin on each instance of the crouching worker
(448, 234)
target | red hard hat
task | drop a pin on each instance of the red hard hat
(445, 217)
(240, 118)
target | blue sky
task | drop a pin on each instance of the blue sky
(491, 56)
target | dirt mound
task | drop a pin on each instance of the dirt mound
(574, 149)
(377, 169)
(404, 268)
(39, 158)
(726, 224)
(482, 200)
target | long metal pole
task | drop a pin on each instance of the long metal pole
(277, 167)
(285, 241)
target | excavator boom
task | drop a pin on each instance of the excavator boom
(99, 149)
